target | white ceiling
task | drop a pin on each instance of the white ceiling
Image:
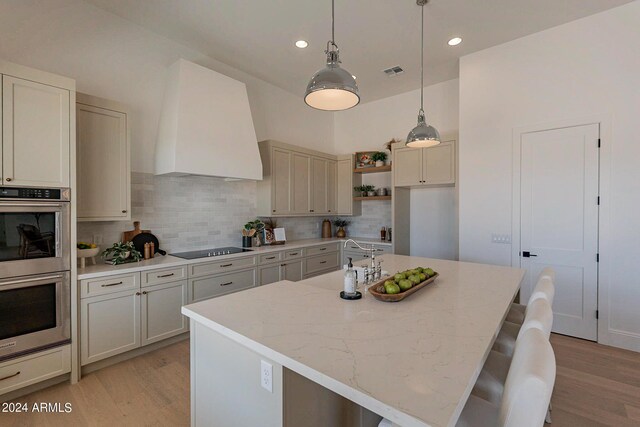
(258, 36)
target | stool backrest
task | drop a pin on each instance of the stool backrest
(529, 384)
(544, 289)
(539, 316)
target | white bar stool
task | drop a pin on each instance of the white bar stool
(543, 289)
(539, 316)
(527, 390)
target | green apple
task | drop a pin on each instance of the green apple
(392, 288)
(415, 271)
(422, 277)
(420, 269)
(429, 272)
(389, 282)
(406, 284)
(399, 276)
(414, 279)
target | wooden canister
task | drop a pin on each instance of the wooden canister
(326, 229)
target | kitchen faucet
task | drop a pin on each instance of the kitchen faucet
(372, 250)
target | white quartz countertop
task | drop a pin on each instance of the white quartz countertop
(413, 362)
(101, 269)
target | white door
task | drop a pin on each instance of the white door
(559, 222)
(35, 134)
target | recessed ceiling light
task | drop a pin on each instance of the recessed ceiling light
(455, 41)
(302, 44)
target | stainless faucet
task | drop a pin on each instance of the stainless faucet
(372, 250)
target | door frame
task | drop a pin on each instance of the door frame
(604, 241)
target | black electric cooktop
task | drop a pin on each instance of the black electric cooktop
(206, 253)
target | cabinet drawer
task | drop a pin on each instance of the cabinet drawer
(204, 269)
(317, 250)
(34, 368)
(380, 249)
(270, 257)
(107, 285)
(328, 261)
(166, 275)
(213, 286)
(293, 254)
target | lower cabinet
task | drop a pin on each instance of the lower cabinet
(122, 321)
(201, 288)
(34, 368)
(288, 270)
(160, 310)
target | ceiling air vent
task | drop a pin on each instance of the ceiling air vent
(393, 71)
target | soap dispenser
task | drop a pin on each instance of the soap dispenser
(350, 283)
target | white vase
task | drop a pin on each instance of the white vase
(379, 163)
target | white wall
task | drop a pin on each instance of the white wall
(584, 68)
(433, 212)
(116, 59)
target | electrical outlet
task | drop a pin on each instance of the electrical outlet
(501, 238)
(266, 376)
(97, 239)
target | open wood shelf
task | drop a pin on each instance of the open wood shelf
(373, 198)
(373, 170)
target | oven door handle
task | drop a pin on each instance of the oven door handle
(32, 279)
(32, 205)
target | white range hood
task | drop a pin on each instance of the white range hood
(206, 126)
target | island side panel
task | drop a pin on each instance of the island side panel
(225, 384)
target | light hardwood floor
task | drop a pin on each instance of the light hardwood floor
(595, 386)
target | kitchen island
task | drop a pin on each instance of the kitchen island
(413, 362)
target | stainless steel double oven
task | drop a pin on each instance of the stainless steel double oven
(35, 264)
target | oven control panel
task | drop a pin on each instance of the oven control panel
(31, 193)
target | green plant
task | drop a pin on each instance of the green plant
(340, 222)
(120, 253)
(359, 188)
(254, 225)
(368, 188)
(379, 156)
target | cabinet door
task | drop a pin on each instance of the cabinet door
(407, 167)
(281, 190)
(110, 325)
(345, 187)
(102, 164)
(35, 134)
(292, 270)
(161, 316)
(301, 183)
(439, 166)
(332, 186)
(269, 274)
(319, 185)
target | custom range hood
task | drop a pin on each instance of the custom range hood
(206, 126)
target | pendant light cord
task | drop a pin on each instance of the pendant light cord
(422, 64)
(333, 25)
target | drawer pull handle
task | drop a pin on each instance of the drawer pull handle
(226, 284)
(354, 247)
(270, 257)
(138, 293)
(293, 253)
(165, 275)
(226, 265)
(283, 265)
(144, 292)
(323, 262)
(323, 249)
(10, 376)
(112, 284)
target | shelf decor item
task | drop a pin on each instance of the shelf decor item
(121, 253)
(370, 189)
(379, 157)
(364, 160)
(87, 250)
(340, 225)
(401, 285)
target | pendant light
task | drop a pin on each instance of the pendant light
(423, 135)
(332, 88)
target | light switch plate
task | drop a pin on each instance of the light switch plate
(501, 238)
(266, 376)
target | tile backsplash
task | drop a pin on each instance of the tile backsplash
(195, 212)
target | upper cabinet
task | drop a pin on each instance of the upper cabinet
(346, 181)
(297, 181)
(36, 128)
(103, 167)
(425, 166)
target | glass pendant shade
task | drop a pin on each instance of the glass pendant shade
(423, 135)
(332, 88)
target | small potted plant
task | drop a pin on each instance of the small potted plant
(340, 224)
(379, 157)
(121, 253)
(370, 189)
(361, 189)
(249, 231)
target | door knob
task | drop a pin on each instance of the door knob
(8, 179)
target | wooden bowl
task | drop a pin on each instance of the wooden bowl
(374, 290)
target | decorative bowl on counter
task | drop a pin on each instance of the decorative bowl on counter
(398, 287)
(83, 254)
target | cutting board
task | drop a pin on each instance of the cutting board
(127, 236)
